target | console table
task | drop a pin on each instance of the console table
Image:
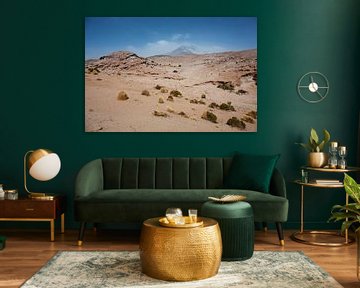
(27, 209)
(297, 235)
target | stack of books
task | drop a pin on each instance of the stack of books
(327, 181)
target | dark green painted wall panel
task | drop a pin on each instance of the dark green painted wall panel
(42, 88)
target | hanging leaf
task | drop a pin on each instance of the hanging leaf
(352, 188)
(349, 213)
(314, 135)
(326, 136)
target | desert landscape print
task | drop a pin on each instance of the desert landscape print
(170, 74)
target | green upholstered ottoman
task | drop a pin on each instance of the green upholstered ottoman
(236, 221)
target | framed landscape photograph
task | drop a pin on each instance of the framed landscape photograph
(170, 74)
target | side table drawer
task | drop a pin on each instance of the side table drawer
(29, 209)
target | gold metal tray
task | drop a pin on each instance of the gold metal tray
(165, 222)
(228, 198)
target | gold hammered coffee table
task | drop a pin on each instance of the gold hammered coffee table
(180, 254)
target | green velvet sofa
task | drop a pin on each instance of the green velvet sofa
(130, 190)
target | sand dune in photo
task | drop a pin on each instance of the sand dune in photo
(181, 92)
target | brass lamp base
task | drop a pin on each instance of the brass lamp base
(41, 196)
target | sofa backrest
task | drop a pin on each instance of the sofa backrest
(164, 173)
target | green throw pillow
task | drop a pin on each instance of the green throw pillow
(251, 172)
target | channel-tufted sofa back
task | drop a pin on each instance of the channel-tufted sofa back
(164, 173)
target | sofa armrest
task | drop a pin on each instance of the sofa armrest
(277, 184)
(89, 179)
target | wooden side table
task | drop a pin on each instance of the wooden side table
(26, 209)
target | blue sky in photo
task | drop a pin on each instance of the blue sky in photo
(147, 36)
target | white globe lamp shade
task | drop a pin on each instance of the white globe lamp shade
(44, 164)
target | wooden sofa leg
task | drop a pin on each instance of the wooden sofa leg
(265, 227)
(81, 233)
(280, 233)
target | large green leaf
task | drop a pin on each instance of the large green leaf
(314, 136)
(312, 144)
(346, 225)
(337, 216)
(326, 136)
(352, 207)
(352, 188)
(350, 213)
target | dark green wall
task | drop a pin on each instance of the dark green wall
(42, 88)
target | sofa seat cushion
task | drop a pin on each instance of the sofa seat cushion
(266, 207)
(166, 195)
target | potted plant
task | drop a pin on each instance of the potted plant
(350, 213)
(317, 157)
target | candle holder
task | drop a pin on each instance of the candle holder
(342, 153)
(333, 162)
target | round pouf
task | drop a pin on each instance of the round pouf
(236, 221)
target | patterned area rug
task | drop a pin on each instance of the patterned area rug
(122, 269)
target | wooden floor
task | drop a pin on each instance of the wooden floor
(28, 250)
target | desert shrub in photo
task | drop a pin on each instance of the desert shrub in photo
(183, 114)
(194, 101)
(242, 92)
(214, 105)
(235, 122)
(158, 87)
(227, 106)
(248, 119)
(145, 92)
(203, 96)
(164, 90)
(161, 100)
(122, 96)
(252, 114)
(226, 86)
(160, 114)
(207, 115)
(93, 70)
(223, 106)
(170, 98)
(175, 93)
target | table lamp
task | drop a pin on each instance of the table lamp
(43, 165)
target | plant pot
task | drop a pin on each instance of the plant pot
(317, 159)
